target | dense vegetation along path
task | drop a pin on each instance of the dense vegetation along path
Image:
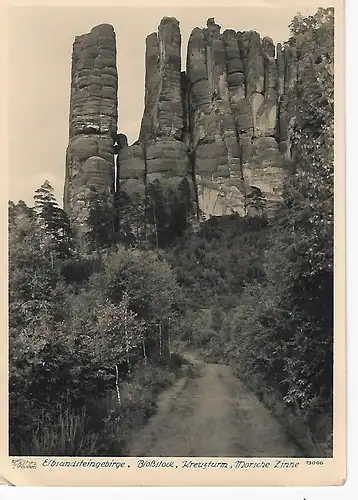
(209, 412)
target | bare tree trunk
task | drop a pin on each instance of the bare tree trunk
(156, 226)
(160, 340)
(117, 386)
(144, 351)
(127, 342)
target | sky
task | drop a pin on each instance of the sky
(40, 47)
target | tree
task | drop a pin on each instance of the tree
(108, 338)
(131, 217)
(31, 268)
(288, 336)
(150, 286)
(158, 211)
(37, 306)
(255, 202)
(309, 213)
(181, 209)
(100, 220)
(53, 219)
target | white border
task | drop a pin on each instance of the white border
(278, 493)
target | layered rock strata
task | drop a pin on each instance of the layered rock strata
(222, 126)
(236, 88)
(92, 123)
(160, 153)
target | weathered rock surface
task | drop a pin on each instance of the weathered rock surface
(93, 122)
(163, 113)
(223, 125)
(235, 87)
(160, 153)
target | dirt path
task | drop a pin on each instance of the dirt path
(210, 413)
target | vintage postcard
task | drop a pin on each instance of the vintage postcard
(176, 245)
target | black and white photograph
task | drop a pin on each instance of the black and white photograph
(170, 232)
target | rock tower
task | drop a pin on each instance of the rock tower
(221, 126)
(92, 122)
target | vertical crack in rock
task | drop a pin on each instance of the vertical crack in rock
(161, 153)
(286, 77)
(166, 153)
(237, 92)
(92, 124)
(222, 127)
(234, 101)
(213, 64)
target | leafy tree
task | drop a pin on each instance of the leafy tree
(37, 303)
(31, 268)
(19, 209)
(108, 338)
(309, 216)
(150, 286)
(181, 210)
(285, 328)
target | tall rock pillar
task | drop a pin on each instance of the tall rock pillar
(155, 172)
(214, 141)
(236, 90)
(93, 117)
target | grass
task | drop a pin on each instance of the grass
(102, 426)
(138, 403)
(68, 434)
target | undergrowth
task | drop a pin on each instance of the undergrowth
(102, 426)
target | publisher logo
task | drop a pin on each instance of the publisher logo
(22, 463)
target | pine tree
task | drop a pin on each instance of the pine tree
(53, 219)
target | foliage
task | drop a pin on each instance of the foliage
(53, 219)
(90, 334)
(145, 276)
(272, 282)
(214, 264)
(131, 216)
(149, 284)
(100, 221)
(281, 329)
(79, 326)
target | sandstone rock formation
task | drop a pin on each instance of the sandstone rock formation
(159, 153)
(233, 107)
(92, 122)
(222, 126)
